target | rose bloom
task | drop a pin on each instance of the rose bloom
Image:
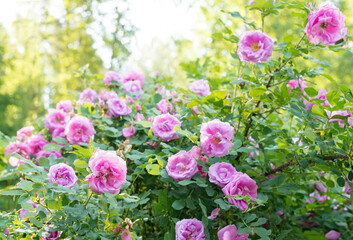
(79, 129)
(139, 117)
(108, 172)
(332, 235)
(221, 173)
(200, 87)
(36, 144)
(66, 105)
(15, 162)
(88, 95)
(163, 106)
(342, 113)
(133, 87)
(326, 25)
(55, 119)
(24, 133)
(243, 185)
(214, 213)
(216, 138)
(53, 235)
(62, 174)
(118, 107)
(163, 127)
(255, 47)
(112, 76)
(18, 147)
(129, 131)
(230, 232)
(132, 76)
(58, 132)
(181, 166)
(189, 229)
(106, 95)
(138, 107)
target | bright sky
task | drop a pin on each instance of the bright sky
(161, 19)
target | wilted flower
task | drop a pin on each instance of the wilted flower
(255, 47)
(53, 235)
(214, 213)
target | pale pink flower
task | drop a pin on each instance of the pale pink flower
(15, 162)
(242, 185)
(163, 127)
(255, 47)
(332, 235)
(216, 138)
(138, 107)
(88, 95)
(326, 25)
(108, 172)
(126, 235)
(195, 110)
(195, 152)
(62, 174)
(188, 229)
(139, 117)
(18, 147)
(24, 133)
(129, 131)
(343, 113)
(106, 95)
(161, 90)
(55, 119)
(46, 154)
(132, 76)
(163, 106)
(79, 130)
(112, 76)
(347, 189)
(118, 107)
(221, 173)
(65, 106)
(230, 232)
(134, 88)
(214, 213)
(181, 166)
(36, 144)
(23, 211)
(200, 87)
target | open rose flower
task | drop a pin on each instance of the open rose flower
(24, 133)
(230, 232)
(18, 147)
(242, 185)
(129, 131)
(36, 144)
(88, 95)
(108, 172)
(133, 76)
(62, 174)
(255, 47)
(65, 106)
(134, 88)
(189, 229)
(181, 166)
(332, 235)
(326, 25)
(221, 173)
(216, 138)
(79, 130)
(163, 127)
(112, 76)
(55, 119)
(200, 87)
(163, 106)
(106, 95)
(118, 107)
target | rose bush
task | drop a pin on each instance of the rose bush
(255, 153)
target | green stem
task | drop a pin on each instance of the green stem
(89, 197)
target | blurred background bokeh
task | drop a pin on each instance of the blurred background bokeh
(44, 43)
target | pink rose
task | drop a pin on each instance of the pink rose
(79, 129)
(36, 144)
(106, 95)
(55, 119)
(214, 213)
(129, 131)
(24, 133)
(326, 25)
(196, 153)
(163, 127)
(118, 107)
(138, 107)
(216, 138)
(133, 87)
(342, 113)
(189, 229)
(181, 166)
(53, 235)
(230, 232)
(139, 117)
(6, 232)
(112, 76)
(242, 185)
(108, 172)
(65, 106)
(18, 147)
(295, 83)
(200, 87)
(221, 173)
(161, 90)
(255, 47)
(132, 76)
(62, 174)
(15, 162)
(332, 235)
(126, 235)
(163, 106)
(58, 132)
(195, 110)
(88, 95)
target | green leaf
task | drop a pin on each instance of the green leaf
(52, 147)
(80, 164)
(257, 91)
(157, 98)
(311, 91)
(13, 192)
(178, 204)
(25, 185)
(23, 198)
(153, 169)
(145, 124)
(341, 182)
(52, 204)
(333, 97)
(186, 182)
(262, 232)
(259, 222)
(222, 204)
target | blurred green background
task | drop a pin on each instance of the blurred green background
(44, 46)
